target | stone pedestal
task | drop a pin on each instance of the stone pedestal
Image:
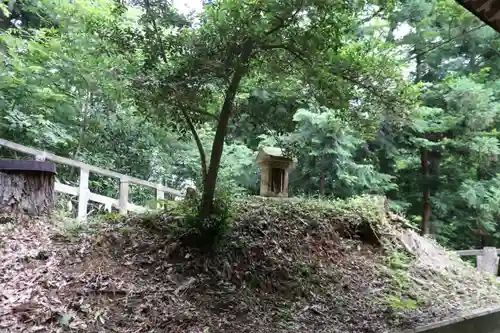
(488, 262)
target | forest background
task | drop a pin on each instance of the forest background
(400, 98)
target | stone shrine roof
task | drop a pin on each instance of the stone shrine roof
(273, 153)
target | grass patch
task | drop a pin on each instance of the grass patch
(399, 297)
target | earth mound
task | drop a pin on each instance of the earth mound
(285, 266)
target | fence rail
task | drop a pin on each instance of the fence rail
(472, 252)
(83, 192)
(487, 258)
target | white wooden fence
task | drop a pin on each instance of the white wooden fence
(83, 192)
(487, 259)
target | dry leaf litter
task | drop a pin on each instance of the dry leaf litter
(287, 266)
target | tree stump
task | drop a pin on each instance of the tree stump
(190, 194)
(27, 187)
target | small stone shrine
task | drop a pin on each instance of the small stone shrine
(274, 172)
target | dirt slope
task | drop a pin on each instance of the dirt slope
(287, 266)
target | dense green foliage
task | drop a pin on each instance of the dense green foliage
(394, 98)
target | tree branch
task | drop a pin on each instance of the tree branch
(287, 47)
(199, 145)
(280, 25)
(155, 28)
(438, 45)
(369, 18)
(283, 20)
(370, 89)
(205, 113)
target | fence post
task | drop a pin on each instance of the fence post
(83, 194)
(160, 196)
(123, 202)
(488, 261)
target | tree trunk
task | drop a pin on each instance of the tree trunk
(433, 182)
(424, 156)
(322, 184)
(424, 165)
(484, 236)
(386, 165)
(210, 180)
(26, 192)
